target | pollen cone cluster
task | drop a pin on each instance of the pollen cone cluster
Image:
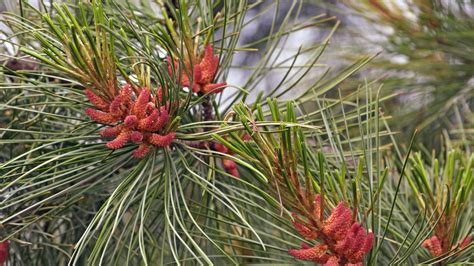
(203, 72)
(435, 247)
(132, 118)
(229, 165)
(342, 240)
(3, 252)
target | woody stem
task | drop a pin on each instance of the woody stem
(207, 109)
(207, 112)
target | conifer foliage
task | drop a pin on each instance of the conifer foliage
(128, 140)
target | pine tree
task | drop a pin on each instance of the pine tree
(124, 140)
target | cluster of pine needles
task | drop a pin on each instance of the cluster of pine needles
(151, 133)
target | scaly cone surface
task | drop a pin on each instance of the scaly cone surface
(343, 240)
(131, 119)
(435, 247)
(203, 73)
